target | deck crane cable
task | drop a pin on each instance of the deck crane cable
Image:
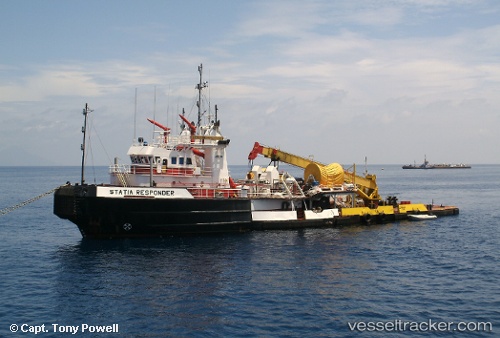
(93, 131)
(102, 144)
(31, 200)
(91, 151)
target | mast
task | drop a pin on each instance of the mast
(200, 86)
(135, 113)
(86, 111)
(154, 115)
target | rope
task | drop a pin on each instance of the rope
(22, 204)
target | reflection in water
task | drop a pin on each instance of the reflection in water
(291, 282)
(196, 284)
(171, 281)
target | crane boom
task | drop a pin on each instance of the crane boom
(367, 187)
(279, 155)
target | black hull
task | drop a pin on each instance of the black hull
(98, 217)
(105, 218)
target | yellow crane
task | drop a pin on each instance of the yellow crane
(329, 175)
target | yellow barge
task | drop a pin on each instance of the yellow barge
(364, 203)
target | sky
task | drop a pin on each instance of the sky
(389, 80)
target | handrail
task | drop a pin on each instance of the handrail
(122, 173)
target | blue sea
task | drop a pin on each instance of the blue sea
(431, 278)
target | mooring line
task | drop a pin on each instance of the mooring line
(22, 204)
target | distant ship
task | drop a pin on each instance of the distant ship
(426, 165)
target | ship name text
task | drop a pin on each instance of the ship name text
(141, 192)
(135, 192)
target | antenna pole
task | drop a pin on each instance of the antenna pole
(200, 86)
(135, 114)
(86, 111)
(154, 115)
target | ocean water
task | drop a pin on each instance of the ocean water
(399, 279)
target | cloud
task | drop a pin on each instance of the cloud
(279, 19)
(91, 80)
(300, 74)
(382, 17)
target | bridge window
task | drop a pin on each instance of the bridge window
(173, 160)
(189, 161)
(181, 160)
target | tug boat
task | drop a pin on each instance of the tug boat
(180, 184)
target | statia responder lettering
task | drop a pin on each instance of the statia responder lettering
(141, 192)
(68, 329)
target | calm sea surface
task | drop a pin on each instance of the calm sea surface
(311, 283)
